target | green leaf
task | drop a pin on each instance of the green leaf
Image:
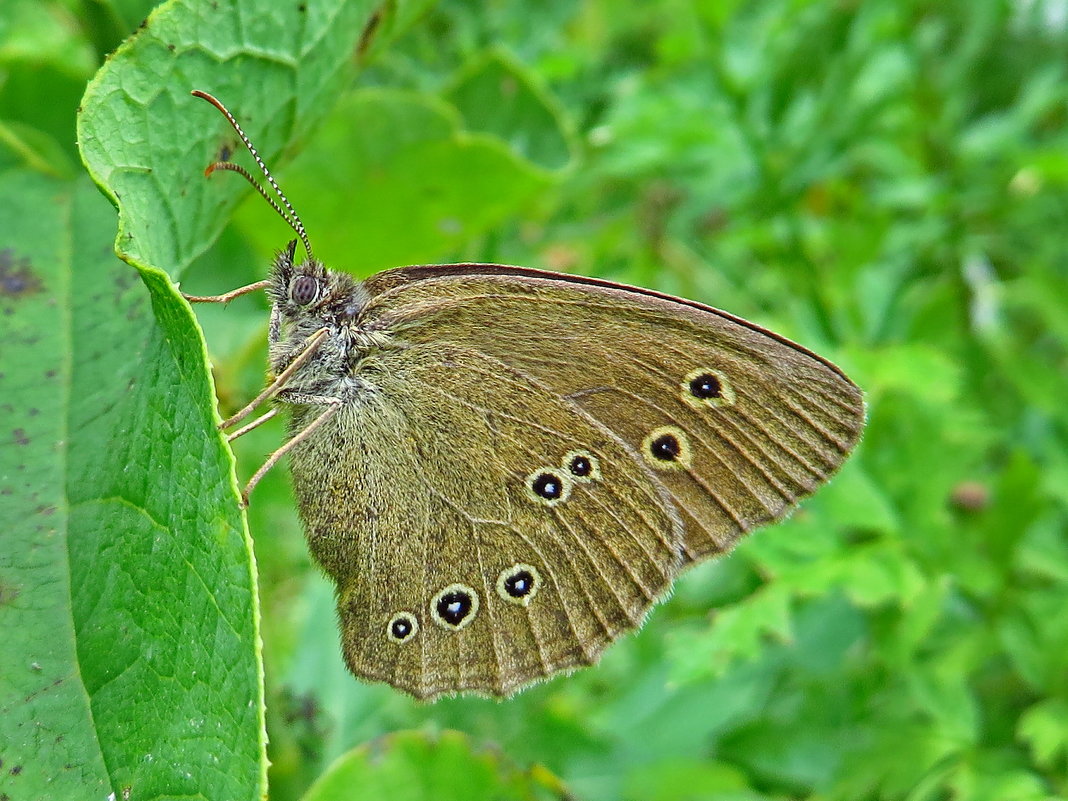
(737, 632)
(411, 766)
(146, 140)
(130, 574)
(497, 95)
(1042, 727)
(689, 780)
(46, 720)
(993, 777)
(44, 32)
(45, 59)
(854, 498)
(392, 179)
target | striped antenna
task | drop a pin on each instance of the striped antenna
(288, 214)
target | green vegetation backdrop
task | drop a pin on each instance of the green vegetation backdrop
(884, 181)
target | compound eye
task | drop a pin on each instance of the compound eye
(304, 290)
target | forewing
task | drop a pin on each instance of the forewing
(782, 422)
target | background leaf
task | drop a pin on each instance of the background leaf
(411, 765)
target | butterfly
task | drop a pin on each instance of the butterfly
(503, 469)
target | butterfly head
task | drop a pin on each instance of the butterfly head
(309, 292)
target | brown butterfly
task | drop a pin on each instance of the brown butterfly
(503, 469)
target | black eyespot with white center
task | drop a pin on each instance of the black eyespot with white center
(667, 448)
(705, 387)
(304, 290)
(519, 584)
(582, 466)
(548, 486)
(402, 627)
(454, 607)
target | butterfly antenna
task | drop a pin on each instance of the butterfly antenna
(291, 217)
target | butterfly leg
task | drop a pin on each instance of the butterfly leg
(280, 381)
(250, 426)
(272, 460)
(228, 296)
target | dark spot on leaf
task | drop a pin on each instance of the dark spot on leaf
(124, 279)
(170, 47)
(17, 279)
(19, 437)
(46, 510)
(8, 593)
(50, 374)
(369, 31)
(16, 770)
(303, 707)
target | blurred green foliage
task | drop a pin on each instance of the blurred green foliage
(885, 181)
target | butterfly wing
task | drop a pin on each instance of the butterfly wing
(483, 531)
(737, 423)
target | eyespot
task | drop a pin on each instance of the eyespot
(402, 627)
(705, 387)
(667, 448)
(548, 486)
(582, 466)
(454, 607)
(304, 290)
(519, 584)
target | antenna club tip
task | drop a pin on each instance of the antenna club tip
(210, 169)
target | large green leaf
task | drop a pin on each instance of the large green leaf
(128, 572)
